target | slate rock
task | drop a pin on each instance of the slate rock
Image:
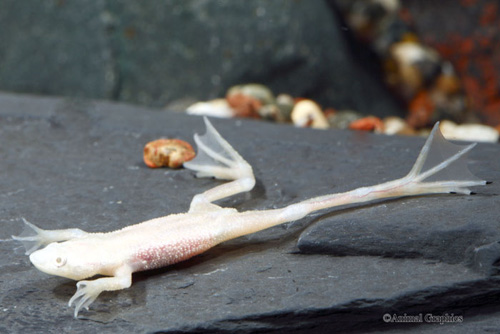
(459, 229)
(486, 258)
(78, 163)
(154, 53)
(55, 47)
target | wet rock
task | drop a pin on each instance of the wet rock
(136, 52)
(454, 231)
(486, 258)
(254, 283)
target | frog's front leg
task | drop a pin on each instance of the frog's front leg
(34, 237)
(88, 291)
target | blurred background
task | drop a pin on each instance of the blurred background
(361, 62)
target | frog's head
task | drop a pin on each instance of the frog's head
(71, 259)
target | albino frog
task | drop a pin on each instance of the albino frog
(75, 254)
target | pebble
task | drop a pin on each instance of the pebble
(215, 108)
(306, 113)
(278, 111)
(370, 123)
(342, 119)
(256, 100)
(415, 65)
(270, 112)
(397, 126)
(448, 96)
(420, 110)
(469, 132)
(167, 153)
(285, 104)
(246, 100)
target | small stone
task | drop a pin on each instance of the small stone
(415, 64)
(370, 123)
(448, 96)
(469, 132)
(246, 100)
(285, 99)
(421, 109)
(285, 104)
(448, 82)
(342, 119)
(214, 108)
(306, 113)
(397, 126)
(280, 110)
(270, 112)
(167, 153)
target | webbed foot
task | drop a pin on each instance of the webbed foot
(86, 293)
(217, 158)
(441, 167)
(34, 237)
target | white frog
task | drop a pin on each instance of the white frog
(75, 254)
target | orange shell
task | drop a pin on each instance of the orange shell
(167, 153)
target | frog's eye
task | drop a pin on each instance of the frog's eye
(60, 261)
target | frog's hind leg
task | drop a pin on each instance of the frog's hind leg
(217, 158)
(34, 237)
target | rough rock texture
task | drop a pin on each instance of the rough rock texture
(78, 163)
(56, 47)
(154, 53)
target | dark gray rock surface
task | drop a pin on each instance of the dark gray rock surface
(78, 163)
(154, 53)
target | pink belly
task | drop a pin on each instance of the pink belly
(161, 255)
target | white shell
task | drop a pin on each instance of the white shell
(307, 113)
(214, 108)
(469, 132)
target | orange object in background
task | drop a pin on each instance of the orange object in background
(420, 110)
(469, 39)
(370, 123)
